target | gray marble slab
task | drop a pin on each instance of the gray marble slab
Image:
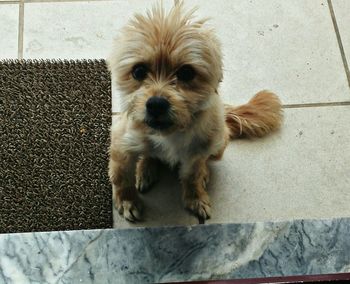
(146, 255)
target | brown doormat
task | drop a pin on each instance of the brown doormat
(54, 126)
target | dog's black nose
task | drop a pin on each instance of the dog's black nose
(156, 106)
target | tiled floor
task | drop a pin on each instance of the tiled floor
(9, 30)
(341, 13)
(298, 48)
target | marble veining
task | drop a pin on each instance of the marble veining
(146, 255)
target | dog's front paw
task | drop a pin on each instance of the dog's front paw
(145, 181)
(146, 174)
(129, 209)
(200, 206)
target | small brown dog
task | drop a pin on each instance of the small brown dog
(168, 67)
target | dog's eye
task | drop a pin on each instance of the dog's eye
(186, 73)
(139, 72)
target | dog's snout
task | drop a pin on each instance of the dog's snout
(157, 113)
(157, 106)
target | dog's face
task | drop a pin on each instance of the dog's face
(167, 67)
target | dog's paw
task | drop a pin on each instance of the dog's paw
(130, 210)
(200, 207)
(144, 182)
(147, 173)
(146, 177)
(206, 181)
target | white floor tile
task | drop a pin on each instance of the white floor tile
(342, 13)
(75, 30)
(8, 31)
(289, 47)
(300, 172)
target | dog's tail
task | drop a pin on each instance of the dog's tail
(260, 116)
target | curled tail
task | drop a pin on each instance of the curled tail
(260, 116)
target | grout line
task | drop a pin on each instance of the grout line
(9, 2)
(48, 1)
(340, 44)
(316, 105)
(20, 30)
(60, 1)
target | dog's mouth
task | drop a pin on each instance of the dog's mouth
(158, 124)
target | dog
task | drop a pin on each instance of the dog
(168, 68)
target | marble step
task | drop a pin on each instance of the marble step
(183, 253)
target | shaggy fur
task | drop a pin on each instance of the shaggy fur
(201, 125)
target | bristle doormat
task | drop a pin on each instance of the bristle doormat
(54, 125)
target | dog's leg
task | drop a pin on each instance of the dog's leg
(146, 173)
(122, 175)
(194, 175)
